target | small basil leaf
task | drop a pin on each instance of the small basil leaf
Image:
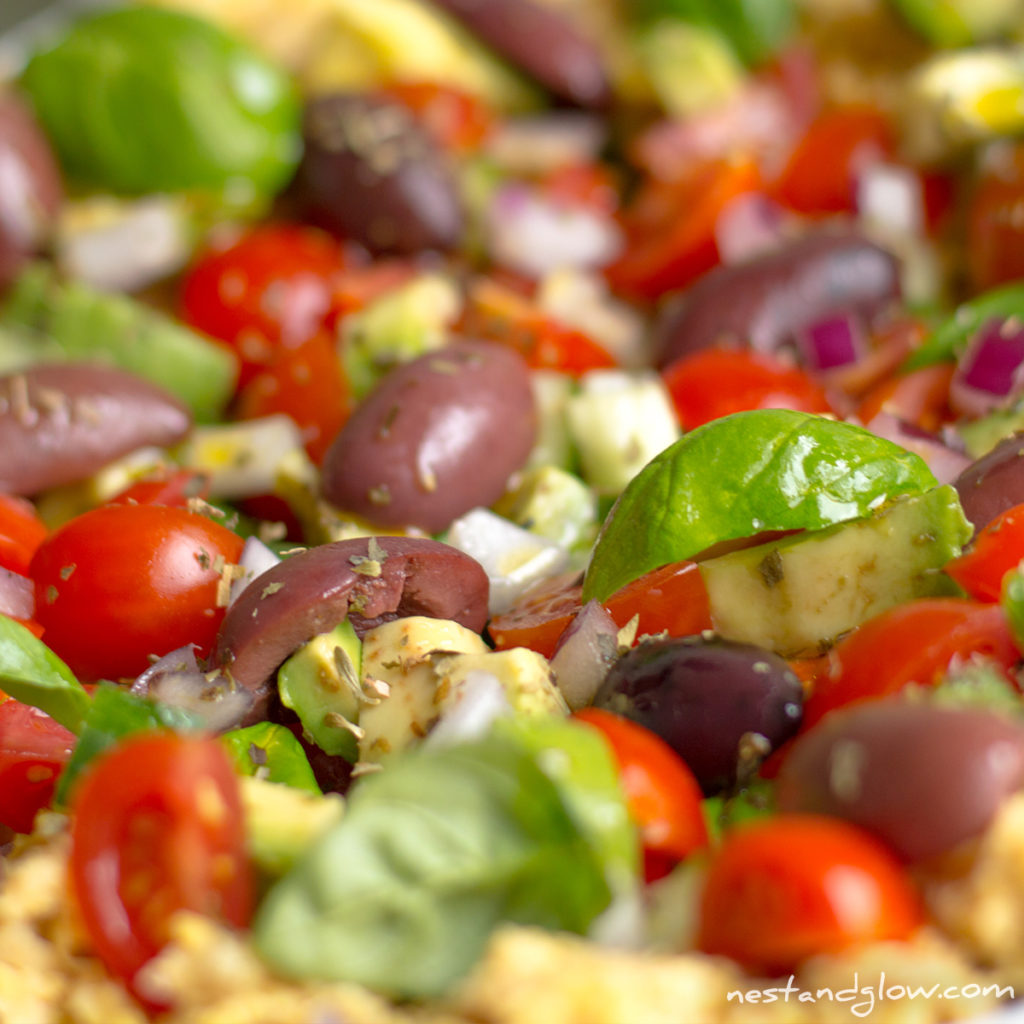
(32, 673)
(272, 752)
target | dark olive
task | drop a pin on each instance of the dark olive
(61, 422)
(993, 483)
(438, 436)
(722, 706)
(540, 41)
(31, 191)
(371, 173)
(768, 300)
(923, 777)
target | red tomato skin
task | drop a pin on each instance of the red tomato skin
(995, 550)
(157, 827)
(910, 643)
(33, 752)
(457, 120)
(123, 582)
(717, 381)
(920, 397)
(995, 234)
(663, 795)
(21, 533)
(174, 487)
(782, 889)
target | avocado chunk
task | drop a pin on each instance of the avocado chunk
(322, 684)
(796, 595)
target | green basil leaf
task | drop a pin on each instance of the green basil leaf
(272, 752)
(1013, 603)
(32, 673)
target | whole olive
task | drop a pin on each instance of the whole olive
(995, 482)
(719, 704)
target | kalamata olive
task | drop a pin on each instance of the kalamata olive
(768, 300)
(368, 580)
(922, 776)
(440, 435)
(720, 705)
(31, 191)
(992, 484)
(371, 173)
(61, 422)
(542, 42)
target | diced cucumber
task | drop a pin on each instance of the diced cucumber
(555, 504)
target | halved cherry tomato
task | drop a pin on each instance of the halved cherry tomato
(583, 184)
(919, 397)
(157, 828)
(308, 384)
(123, 582)
(358, 286)
(168, 487)
(664, 798)
(670, 229)
(456, 119)
(270, 289)
(995, 550)
(781, 889)
(909, 643)
(33, 751)
(21, 532)
(725, 379)
(670, 599)
(821, 174)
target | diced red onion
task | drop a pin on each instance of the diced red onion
(946, 462)
(584, 654)
(833, 342)
(17, 595)
(991, 370)
(256, 558)
(749, 225)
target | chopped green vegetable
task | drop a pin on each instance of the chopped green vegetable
(1013, 603)
(951, 23)
(270, 751)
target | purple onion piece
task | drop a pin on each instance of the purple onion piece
(585, 652)
(17, 595)
(945, 462)
(991, 370)
(750, 225)
(832, 342)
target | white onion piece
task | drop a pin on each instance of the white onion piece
(584, 654)
(991, 370)
(17, 595)
(535, 235)
(750, 225)
(478, 701)
(890, 196)
(945, 462)
(256, 559)
(831, 343)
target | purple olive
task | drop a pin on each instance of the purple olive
(31, 190)
(921, 776)
(722, 706)
(768, 300)
(367, 580)
(993, 483)
(372, 174)
(61, 422)
(439, 435)
(540, 41)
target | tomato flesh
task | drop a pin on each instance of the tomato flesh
(996, 550)
(21, 533)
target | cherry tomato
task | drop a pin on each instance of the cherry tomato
(821, 174)
(270, 289)
(909, 643)
(358, 286)
(157, 828)
(995, 550)
(755, 380)
(457, 120)
(21, 532)
(33, 751)
(540, 617)
(583, 184)
(995, 229)
(123, 582)
(663, 796)
(175, 487)
(784, 888)
(306, 383)
(919, 397)
(670, 229)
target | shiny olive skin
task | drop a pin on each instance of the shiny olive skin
(61, 422)
(542, 42)
(439, 435)
(922, 777)
(992, 484)
(31, 189)
(714, 701)
(769, 299)
(372, 174)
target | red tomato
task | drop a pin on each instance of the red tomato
(663, 796)
(123, 582)
(671, 599)
(785, 888)
(670, 229)
(995, 231)
(168, 487)
(21, 532)
(308, 384)
(910, 643)
(583, 184)
(157, 828)
(33, 751)
(270, 289)
(717, 381)
(456, 119)
(919, 397)
(821, 174)
(359, 286)
(996, 549)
